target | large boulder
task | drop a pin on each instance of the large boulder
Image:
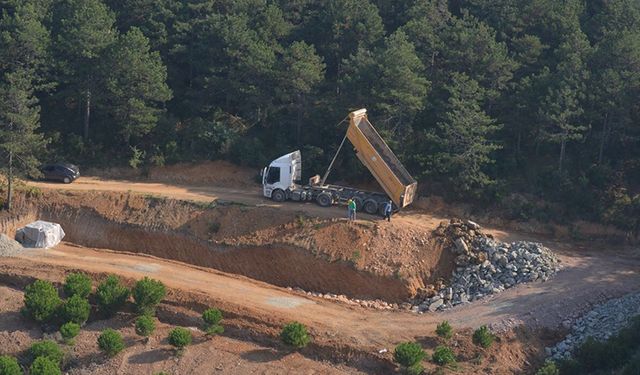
(40, 234)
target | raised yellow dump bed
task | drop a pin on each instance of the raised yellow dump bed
(374, 153)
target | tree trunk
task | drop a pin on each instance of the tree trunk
(10, 182)
(299, 121)
(87, 114)
(563, 144)
(603, 139)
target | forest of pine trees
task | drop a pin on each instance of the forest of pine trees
(530, 105)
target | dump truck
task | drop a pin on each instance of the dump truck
(281, 180)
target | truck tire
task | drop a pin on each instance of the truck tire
(324, 199)
(371, 206)
(278, 195)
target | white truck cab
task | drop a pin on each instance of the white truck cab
(282, 176)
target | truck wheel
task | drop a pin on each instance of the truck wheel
(324, 199)
(66, 180)
(371, 207)
(278, 195)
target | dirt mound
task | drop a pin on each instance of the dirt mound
(9, 247)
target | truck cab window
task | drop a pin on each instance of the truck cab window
(273, 175)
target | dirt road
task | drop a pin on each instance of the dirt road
(585, 280)
(199, 193)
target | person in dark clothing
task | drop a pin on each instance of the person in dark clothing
(388, 209)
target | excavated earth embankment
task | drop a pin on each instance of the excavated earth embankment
(359, 260)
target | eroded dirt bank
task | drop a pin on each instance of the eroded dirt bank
(362, 260)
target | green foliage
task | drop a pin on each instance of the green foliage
(212, 319)
(9, 366)
(147, 294)
(480, 98)
(483, 337)
(110, 342)
(41, 301)
(24, 42)
(111, 295)
(76, 309)
(461, 148)
(69, 331)
(416, 369)
(295, 334)
(408, 354)
(444, 330)
(443, 355)
(549, 368)
(180, 337)
(77, 284)
(48, 349)
(44, 366)
(145, 325)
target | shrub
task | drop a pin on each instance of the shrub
(9, 366)
(633, 366)
(77, 284)
(145, 325)
(416, 369)
(69, 331)
(408, 354)
(295, 334)
(597, 355)
(483, 337)
(443, 355)
(110, 342)
(44, 366)
(41, 301)
(147, 294)
(212, 318)
(549, 368)
(46, 348)
(76, 309)
(444, 330)
(180, 337)
(111, 295)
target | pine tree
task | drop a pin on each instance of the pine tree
(561, 107)
(302, 69)
(401, 88)
(461, 144)
(136, 85)
(83, 29)
(22, 59)
(19, 121)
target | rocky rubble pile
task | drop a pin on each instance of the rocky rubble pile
(600, 323)
(372, 304)
(9, 247)
(485, 266)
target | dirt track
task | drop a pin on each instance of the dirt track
(246, 195)
(585, 280)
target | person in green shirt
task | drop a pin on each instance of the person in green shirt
(351, 206)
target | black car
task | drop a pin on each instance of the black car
(64, 172)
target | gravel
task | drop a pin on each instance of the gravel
(600, 323)
(9, 247)
(485, 266)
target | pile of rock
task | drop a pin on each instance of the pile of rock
(372, 304)
(9, 247)
(600, 323)
(485, 266)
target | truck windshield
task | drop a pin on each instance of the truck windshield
(273, 175)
